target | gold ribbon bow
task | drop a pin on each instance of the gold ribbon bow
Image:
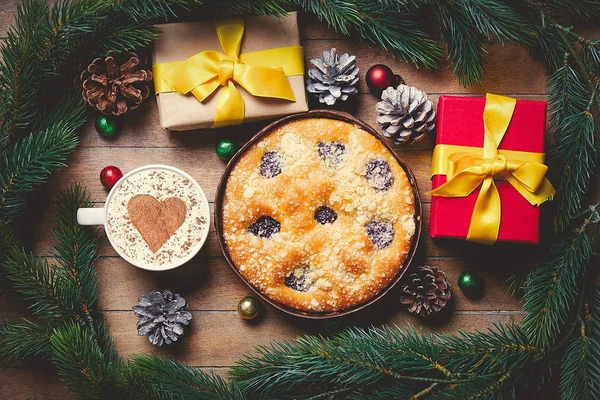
(262, 73)
(468, 168)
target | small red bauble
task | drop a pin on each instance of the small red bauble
(109, 176)
(380, 77)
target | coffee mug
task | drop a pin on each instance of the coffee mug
(156, 217)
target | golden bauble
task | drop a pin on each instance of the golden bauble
(248, 307)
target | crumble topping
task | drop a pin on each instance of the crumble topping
(318, 215)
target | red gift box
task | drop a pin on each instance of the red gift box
(460, 122)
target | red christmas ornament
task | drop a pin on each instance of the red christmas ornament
(380, 77)
(109, 176)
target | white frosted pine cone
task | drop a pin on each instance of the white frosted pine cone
(334, 77)
(405, 114)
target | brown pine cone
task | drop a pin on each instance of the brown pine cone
(426, 292)
(116, 84)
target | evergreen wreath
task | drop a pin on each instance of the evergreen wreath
(560, 330)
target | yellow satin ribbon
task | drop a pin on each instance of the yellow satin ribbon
(468, 168)
(262, 73)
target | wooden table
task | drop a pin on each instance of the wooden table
(218, 337)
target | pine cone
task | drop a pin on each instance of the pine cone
(427, 291)
(115, 84)
(334, 78)
(161, 316)
(405, 114)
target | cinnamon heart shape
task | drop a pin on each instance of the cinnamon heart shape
(156, 220)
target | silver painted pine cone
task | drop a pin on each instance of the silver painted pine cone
(161, 316)
(334, 77)
(405, 114)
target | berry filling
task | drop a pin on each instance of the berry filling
(379, 174)
(264, 227)
(298, 279)
(381, 233)
(271, 164)
(325, 215)
(331, 153)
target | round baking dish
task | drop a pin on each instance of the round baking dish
(219, 212)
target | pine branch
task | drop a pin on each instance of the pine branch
(567, 94)
(18, 84)
(22, 339)
(479, 388)
(44, 286)
(379, 26)
(590, 54)
(576, 150)
(254, 7)
(7, 239)
(549, 46)
(150, 10)
(465, 46)
(384, 392)
(123, 37)
(594, 317)
(383, 363)
(579, 9)
(517, 282)
(551, 293)
(75, 249)
(172, 379)
(68, 24)
(500, 350)
(580, 368)
(82, 365)
(498, 21)
(67, 291)
(32, 159)
(358, 361)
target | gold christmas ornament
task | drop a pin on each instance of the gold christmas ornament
(248, 308)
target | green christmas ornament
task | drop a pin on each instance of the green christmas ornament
(226, 149)
(248, 308)
(106, 126)
(470, 283)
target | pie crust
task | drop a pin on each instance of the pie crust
(318, 215)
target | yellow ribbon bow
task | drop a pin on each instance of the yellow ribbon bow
(262, 73)
(468, 168)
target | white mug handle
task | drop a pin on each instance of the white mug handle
(91, 216)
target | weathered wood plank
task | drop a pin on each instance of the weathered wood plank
(214, 342)
(210, 284)
(475, 254)
(8, 8)
(41, 382)
(141, 129)
(32, 383)
(202, 164)
(496, 79)
(220, 339)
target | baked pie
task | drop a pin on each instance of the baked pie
(318, 215)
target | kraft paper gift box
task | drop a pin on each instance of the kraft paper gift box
(180, 41)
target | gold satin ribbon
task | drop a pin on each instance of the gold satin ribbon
(468, 168)
(262, 73)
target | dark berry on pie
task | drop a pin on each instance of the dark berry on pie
(325, 215)
(379, 174)
(381, 233)
(298, 279)
(264, 227)
(271, 164)
(331, 153)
